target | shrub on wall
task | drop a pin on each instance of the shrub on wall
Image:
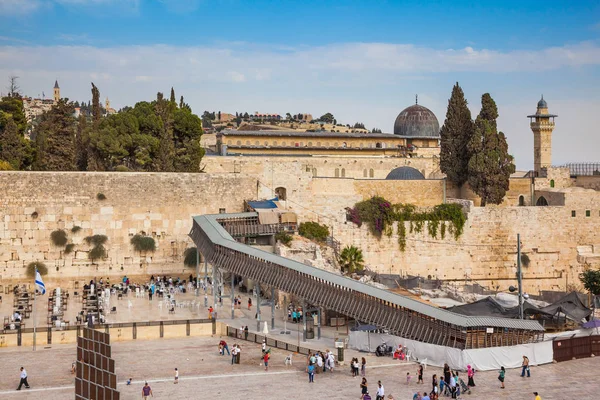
(525, 260)
(143, 243)
(101, 196)
(41, 267)
(97, 252)
(59, 237)
(69, 248)
(75, 229)
(34, 214)
(284, 238)
(379, 214)
(96, 240)
(189, 257)
(313, 231)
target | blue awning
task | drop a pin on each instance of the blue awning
(263, 204)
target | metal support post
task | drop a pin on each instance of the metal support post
(197, 272)
(303, 321)
(214, 286)
(519, 276)
(257, 289)
(232, 297)
(272, 308)
(319, 323)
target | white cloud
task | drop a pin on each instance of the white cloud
(19, 7)
(357, 82)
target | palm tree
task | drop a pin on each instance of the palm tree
(351, 259)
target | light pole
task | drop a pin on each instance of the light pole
(519, 277)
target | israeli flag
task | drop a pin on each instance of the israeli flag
(39, 283)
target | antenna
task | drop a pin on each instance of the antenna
(416, 99)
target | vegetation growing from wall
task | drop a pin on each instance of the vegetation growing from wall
(143, 243)
(313, 231)
(379, 215)
(59, 237)
(525, 260)
(98, 250)
(69, 248)
(75, 229)
(40, 266)
(284, 238)
(351, 259)
(189, 257)
(100, 196)
(591, 281)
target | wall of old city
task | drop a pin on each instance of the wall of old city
(159, 204)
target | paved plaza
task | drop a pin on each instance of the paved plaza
(207, 375)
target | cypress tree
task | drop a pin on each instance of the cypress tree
(166, 150)
(490, 165)
(173, 96)
(96, 111)
(81, 143)
(11, 145)
(55, 139)
(455, 134)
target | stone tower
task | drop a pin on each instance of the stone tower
(542, 125)
(56, 92)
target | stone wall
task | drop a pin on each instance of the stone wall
(159, 204)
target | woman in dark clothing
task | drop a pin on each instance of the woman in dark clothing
(363, 387)
(446, 377)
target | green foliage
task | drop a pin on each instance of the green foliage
(379, 215)
(69, 248)
(591, 281)
(12, 108)
(313, 231)
(455, 136)
(121, 168)
(96, 110)
(351, 259)
(525, 260)
(34, 214)
(143, 243)
(41, 267)
(55, 139)
(328, 118)
(100, 196)
(75, 229)
(11, 145)
(82, 142)
(490, 165)
(98, 252)
(96, 240)
(284, 238)
(189, 257)
(5, 166)
(59, 237)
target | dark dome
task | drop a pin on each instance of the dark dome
(404, 174)
(542, 103)
(417, 121)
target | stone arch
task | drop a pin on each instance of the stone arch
(541, 202)
(337, 172)
(281, 193)
(371, 173)
(314, 172)
(521, 200)
(365, 173)
(343, 172)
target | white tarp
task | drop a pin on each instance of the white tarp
(491, 358)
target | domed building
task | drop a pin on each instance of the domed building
(405, 174)
(419, 126)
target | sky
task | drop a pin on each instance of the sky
(363, 61)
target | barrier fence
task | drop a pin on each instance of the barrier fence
(575, 347)
(279, 344)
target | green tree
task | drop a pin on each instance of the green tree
(172, 99)
(490, 165)
(82, 143)
(12, 107)
(376, 130)
(11, 145)
(456, 133)
(55, 139)
(351, 260)
(591, 281)
(166, 150)
(187, 130)
(96, 110)
(328, 118)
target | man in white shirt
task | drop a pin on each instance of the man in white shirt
(380, 391)
(453, 386)
(23, 379)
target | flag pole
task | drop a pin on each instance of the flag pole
(34, 292)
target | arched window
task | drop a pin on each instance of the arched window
(309, 144)
(281, 193)
(283, 143)
(275, 143)
(343, 172)
(337, 172)
(551, 183)
(344, 145)
(266, 143)
(257, 143)
(318, 144)
(378, 145)
(371, 173)
(314, 172)
(239, 142)
(364, 173)
(247, 143)
(541, 202)
(521, 200)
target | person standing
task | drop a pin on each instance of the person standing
(537, 396)
(434, 384)
(311, 373)
(233, 353)
(363, 388)
(380, 391)
(447, 376)
(470, 375)
(264, 346)
(501, 376)
(176, 376)
(420, 374)
(525, 367)
(146, 391)
(452, 386)
(23, 379)
(249, 302)
(363, 367)
(266, 361)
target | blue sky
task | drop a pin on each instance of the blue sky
(361, 60)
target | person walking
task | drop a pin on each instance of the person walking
(501, 376)
(434, 385)
(452, 386)
(470, 375)
(249, 302)
(525, 367)
(23, 379)
(420, 374)
(380, 391)
(176, 376)
(147, 391)
(311, 373)
(537, 396)
(363, 367)
(363, 388)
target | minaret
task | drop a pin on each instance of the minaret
(56, 92)
(107, 103)
(542, 125)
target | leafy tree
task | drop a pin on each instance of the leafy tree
(328, 118)
(181, 103)
(12, 107)
(313, 231)
(11, 145)
(172, 99)
(166, 149)
(55, 139)
(288, 116)
(359, 125)
(456, 133)
(376, 130)
(143, 243)
(5, 166)
(82, 143)
(591, 281)
(96, 111)
(187, 130)
(351, 259)
(490, 165)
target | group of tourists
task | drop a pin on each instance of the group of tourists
(358, 368)
(320, 362)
